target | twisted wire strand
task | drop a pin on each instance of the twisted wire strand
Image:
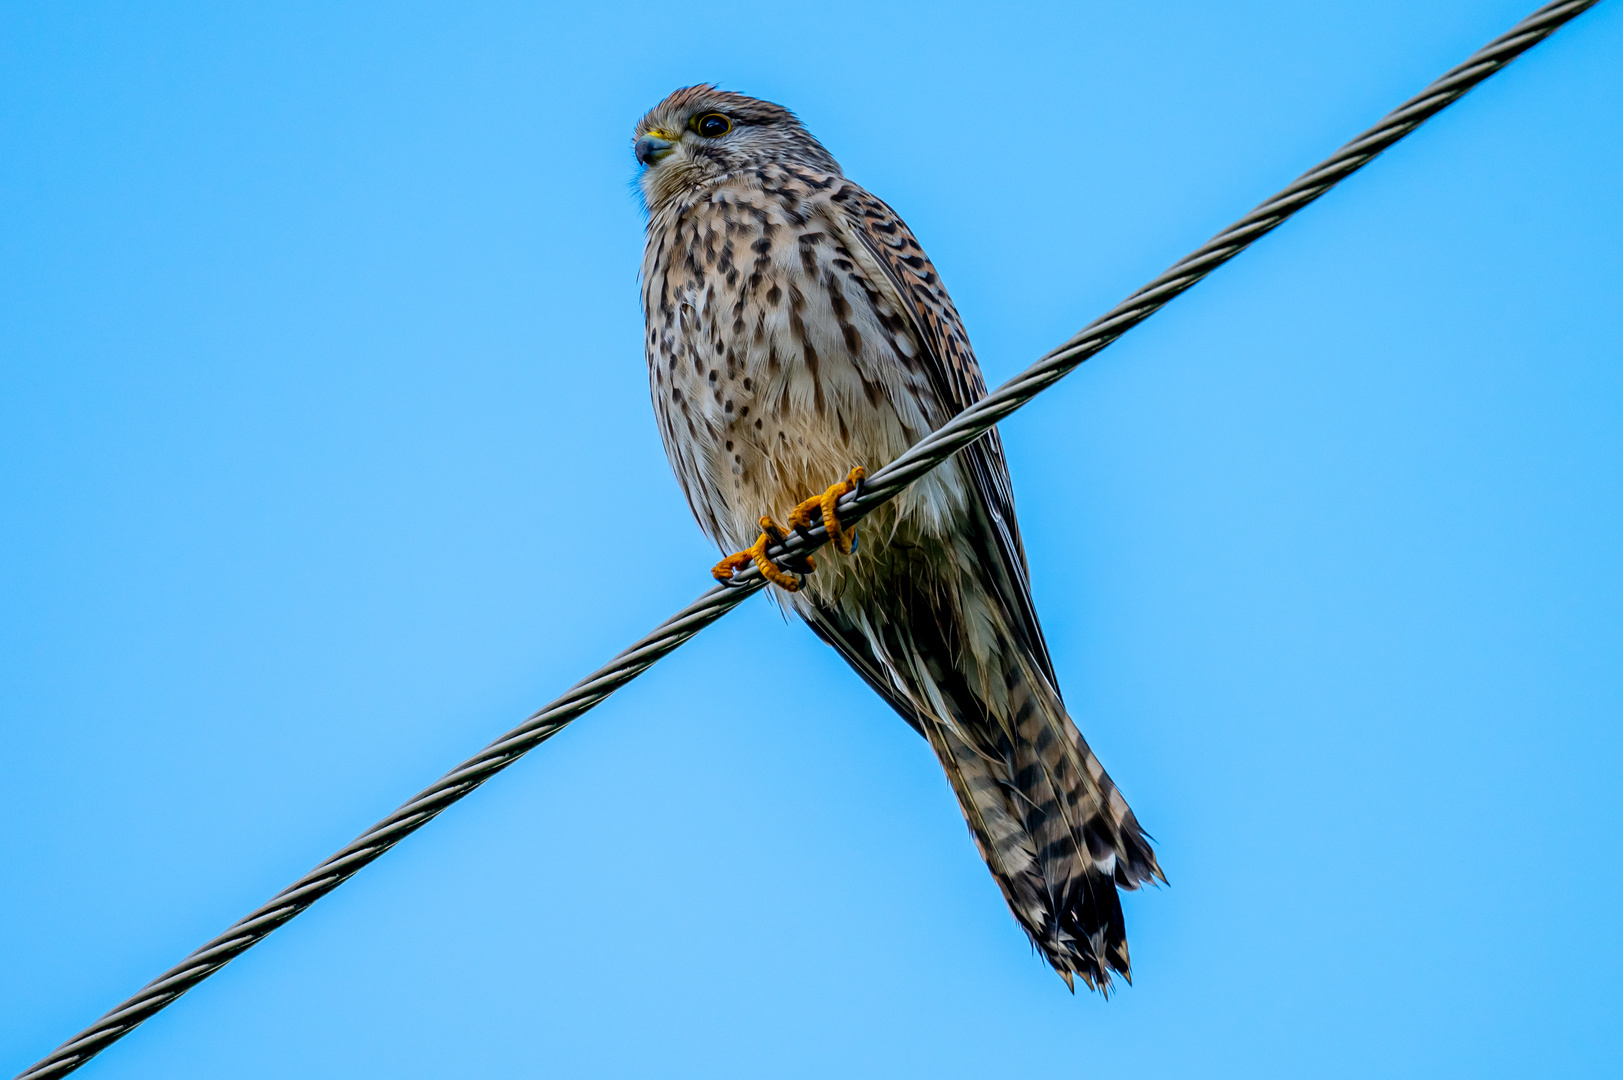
(884, 485)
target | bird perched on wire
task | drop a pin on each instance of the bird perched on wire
(798, 334)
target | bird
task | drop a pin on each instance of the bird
(796, 334)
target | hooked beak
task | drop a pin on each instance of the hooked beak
(652, 147)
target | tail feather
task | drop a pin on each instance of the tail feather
(1075, 825)
(1055, 832)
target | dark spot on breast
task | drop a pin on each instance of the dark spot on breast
(748, 384)
(870, 390)
(729, 444)
(808, 252)
(773, 295)
(836, 298)
(808, 354)
(842, 314)
(728, 407)
(713, 374)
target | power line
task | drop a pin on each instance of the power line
(883, 486)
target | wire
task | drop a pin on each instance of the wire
(884, 485)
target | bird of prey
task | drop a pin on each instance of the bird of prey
(798, 334)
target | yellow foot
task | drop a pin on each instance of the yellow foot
(770, 534)
(801, 516)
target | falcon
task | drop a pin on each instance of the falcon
(797, 336)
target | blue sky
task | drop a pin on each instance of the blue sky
(324, 430)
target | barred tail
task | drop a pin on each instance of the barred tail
(1086, 839)
(1056, 834)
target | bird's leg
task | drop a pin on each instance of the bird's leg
(801, 516)
(756, 553)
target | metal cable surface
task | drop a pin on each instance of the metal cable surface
(884, 485)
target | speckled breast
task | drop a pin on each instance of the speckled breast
(776, 361)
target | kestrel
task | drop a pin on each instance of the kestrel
(797, 330)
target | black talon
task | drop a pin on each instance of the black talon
(797, 563)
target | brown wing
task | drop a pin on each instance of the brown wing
(956, 379)
(1056, 834)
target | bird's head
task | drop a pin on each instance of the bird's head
(700, 133)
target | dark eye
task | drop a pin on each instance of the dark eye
(712, 125)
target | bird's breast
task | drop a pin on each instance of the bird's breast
(776, 363)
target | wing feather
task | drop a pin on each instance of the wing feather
(955, 377)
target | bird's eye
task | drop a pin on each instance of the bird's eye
(712, 125)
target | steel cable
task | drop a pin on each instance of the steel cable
(884, 485)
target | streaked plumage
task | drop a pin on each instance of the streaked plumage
(795, 329)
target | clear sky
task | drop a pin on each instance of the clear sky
(325, 435)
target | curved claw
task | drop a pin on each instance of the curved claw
(825, 505)
(827, 511)
(723, 571)
(756, 553)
